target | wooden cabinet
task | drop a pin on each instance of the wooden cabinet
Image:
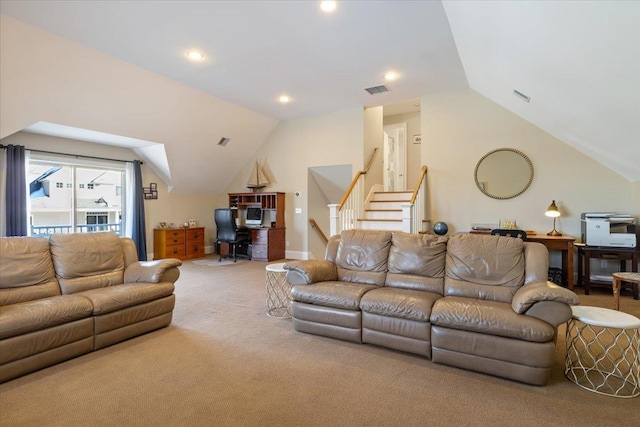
(267, 244)
(181, 243)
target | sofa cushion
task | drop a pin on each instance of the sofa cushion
(363, 251)
(114, 298)
(484, 267)
(416, 261)
(17, 319)
(489, 317)
(400, 303)
(331, 294)
(26, 270)
(85, 261)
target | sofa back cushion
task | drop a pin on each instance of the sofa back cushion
(416, 261)
(26, 270)
(362, 256)
(85, 261)
(484, 267)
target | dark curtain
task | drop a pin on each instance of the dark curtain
(16, 191)
(138, 234)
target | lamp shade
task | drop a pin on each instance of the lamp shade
(552, 210)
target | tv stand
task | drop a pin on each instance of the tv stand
(268, 241)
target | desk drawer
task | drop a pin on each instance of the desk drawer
(260, 236)
(259, 252)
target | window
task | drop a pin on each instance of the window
(76, 209)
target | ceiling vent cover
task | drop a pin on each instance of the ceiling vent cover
(377, 89)
(223, 142)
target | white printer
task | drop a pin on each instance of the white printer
(609, 229)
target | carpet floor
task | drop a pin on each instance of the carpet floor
(224, 362)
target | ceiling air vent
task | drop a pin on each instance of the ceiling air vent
(377, 89)
(521, 95)
(223, 142)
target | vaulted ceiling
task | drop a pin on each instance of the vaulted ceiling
(578, 62)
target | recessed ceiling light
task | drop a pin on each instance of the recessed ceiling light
(328, 6)
(284, 99)
(194, 55)
(390, 75)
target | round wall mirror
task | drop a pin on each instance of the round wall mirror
(504, 173)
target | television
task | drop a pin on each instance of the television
(254, 216)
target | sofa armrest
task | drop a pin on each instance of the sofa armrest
(310, 271)
(161, 270)
(535, 292)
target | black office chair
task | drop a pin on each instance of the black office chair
(227, 232)
(510, 233)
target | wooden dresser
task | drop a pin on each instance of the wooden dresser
(181, 243)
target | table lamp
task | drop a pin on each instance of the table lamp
(553, 212)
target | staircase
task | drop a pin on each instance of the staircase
(391, 211)
(384, 211)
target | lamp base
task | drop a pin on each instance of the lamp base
(554, 232)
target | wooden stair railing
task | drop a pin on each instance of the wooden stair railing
(316, 227)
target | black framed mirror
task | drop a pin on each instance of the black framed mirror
(504, 173)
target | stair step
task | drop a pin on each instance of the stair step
(383, 214)
(386, 204)
(392, 195)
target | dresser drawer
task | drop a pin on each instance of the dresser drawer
(174, 251)
(196, 235)
(174, 237)
(195, 250)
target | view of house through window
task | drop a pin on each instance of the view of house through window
(74, 198)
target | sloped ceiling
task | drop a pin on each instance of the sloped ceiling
(578, 61)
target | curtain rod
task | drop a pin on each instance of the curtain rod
(76, 155)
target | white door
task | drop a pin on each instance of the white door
(395, 157)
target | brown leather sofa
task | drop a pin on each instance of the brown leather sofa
(74, 293)
(473, 301)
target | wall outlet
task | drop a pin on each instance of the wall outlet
(287, 243)
(603, 263)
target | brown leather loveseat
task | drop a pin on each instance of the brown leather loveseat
(477, 302)
(74, 293)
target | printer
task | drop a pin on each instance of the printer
(608, 229)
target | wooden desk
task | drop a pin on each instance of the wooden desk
(554, 243)
(559, 243)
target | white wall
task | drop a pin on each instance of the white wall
(295, 146)
(458, 128)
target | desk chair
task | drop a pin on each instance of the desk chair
(510, 233)
(227, 232)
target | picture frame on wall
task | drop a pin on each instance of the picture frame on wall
(417, 139)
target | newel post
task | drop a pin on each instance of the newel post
(334, 218)
(406, 217)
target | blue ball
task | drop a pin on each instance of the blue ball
(440, 228)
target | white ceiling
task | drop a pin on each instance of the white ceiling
(578, 61)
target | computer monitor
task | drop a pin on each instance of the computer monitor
(254, 216)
